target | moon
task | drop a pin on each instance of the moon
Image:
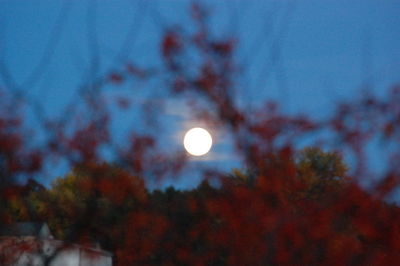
(197, 141)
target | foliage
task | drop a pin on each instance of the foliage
(321, 171)
(237, 224)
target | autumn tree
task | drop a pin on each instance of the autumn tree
(322, 172)
(91, 202)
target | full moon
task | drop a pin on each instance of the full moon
(197, 141)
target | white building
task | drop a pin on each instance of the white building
(32, 244)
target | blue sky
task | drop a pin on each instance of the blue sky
(324, 51)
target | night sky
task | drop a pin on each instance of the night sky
(307, 55)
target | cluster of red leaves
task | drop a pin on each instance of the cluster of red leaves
(130, 71)
(14, 158)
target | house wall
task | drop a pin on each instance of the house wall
(77, 256)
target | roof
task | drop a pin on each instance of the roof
(40, 230)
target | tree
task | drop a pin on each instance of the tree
(91, 202)
(322, 172)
